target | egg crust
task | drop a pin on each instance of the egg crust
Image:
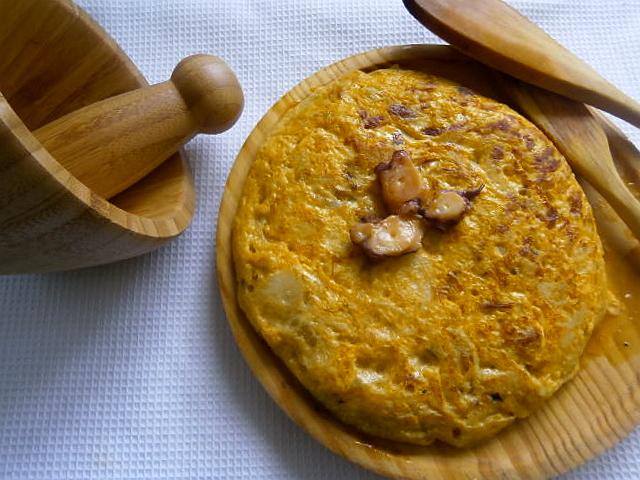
(457, 340)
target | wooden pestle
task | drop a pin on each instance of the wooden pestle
(112, 144)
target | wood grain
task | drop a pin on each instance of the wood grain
(57, 60)
(590, 414)
(497, 35)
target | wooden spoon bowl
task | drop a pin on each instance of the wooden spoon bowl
(588, 415)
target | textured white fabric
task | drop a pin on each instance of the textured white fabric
(130, 370)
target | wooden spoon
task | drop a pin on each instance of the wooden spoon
(582, 140)
(497, 35)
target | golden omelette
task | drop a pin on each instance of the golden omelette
(480, 324)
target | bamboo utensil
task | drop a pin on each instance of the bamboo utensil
(112, 144)
(497, 35)
(88, 176)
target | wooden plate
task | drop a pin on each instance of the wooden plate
(590, 414)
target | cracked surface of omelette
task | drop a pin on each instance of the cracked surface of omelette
(457, 340)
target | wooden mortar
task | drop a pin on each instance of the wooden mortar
(90, 171)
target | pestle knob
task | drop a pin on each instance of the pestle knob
(112, 144)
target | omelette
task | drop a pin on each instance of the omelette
(419, 256)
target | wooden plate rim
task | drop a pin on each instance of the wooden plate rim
(382, 457)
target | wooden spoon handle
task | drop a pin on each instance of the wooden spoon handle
(497, 35)
(627, 159)
(612, 227)
(112, 144)
(581, 139)
(626, 156)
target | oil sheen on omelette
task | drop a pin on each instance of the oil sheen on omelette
(453, 340)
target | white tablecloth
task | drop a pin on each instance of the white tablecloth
(130, 370)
